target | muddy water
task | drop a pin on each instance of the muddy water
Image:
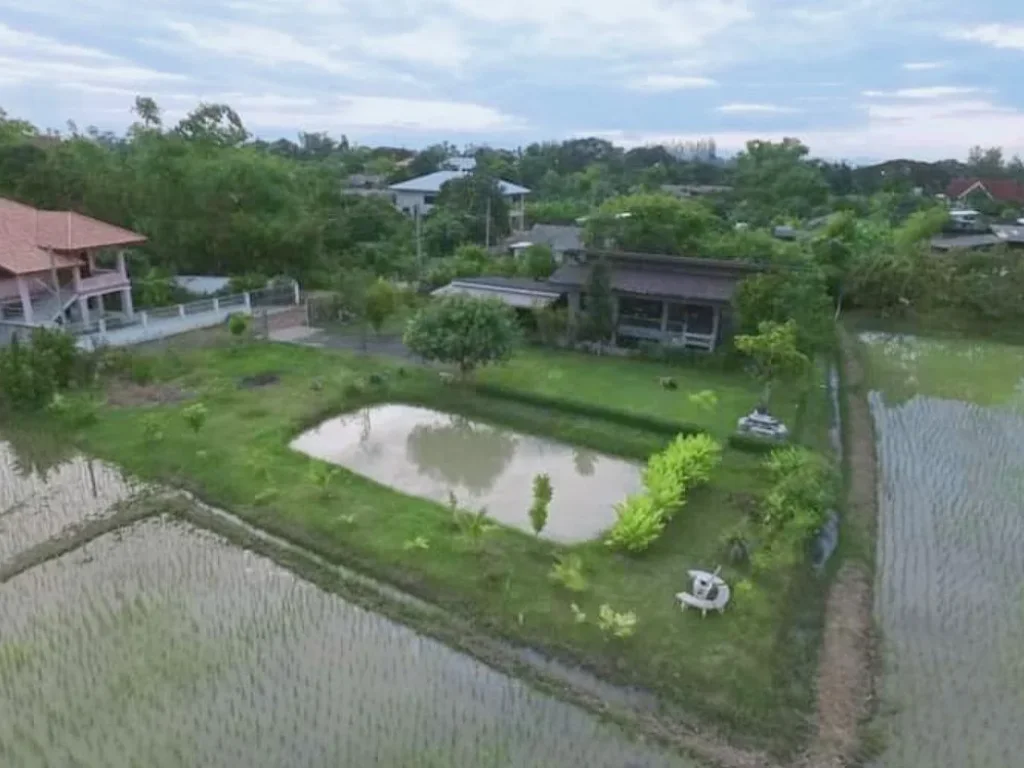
(950, 582)
(37, 504)
(165, 643)
(430, 454)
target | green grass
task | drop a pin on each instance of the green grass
(631, 385)
(749, 672)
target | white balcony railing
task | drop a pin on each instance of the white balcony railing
(103, 280)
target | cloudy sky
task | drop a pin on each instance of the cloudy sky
(855, 79)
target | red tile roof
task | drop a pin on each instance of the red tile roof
(32, 240)
(1003, 190)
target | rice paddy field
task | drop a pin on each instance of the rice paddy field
(162, 644)
(950, 554)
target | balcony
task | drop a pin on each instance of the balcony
(102, 280)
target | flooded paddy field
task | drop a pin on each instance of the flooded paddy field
(161, 644)
(950, 555)
(36, 505)
(431, 454)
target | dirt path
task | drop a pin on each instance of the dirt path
(845, 674)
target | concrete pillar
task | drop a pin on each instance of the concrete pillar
(121, 266)
(298, 293)
(714, 327)
(248, 301)
(664, 321)
(216, 304)
(76, 278)
(181, 310)
(26, 299)
(83, 307)
(126, 303)
(144, 317)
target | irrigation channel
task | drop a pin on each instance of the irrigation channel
(157, 642)
(950, 555)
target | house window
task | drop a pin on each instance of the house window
(640, 313)
(429, 199)
(691, 318)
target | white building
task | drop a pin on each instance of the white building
(421, 193)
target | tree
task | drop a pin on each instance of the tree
(799, 294)
(475, 196)
(775, 178)
(214, 123)
(774, 352)
(650, 223)
(381, 302)
(463, 331)
(599, 312)
(538, 262)
(542, 493)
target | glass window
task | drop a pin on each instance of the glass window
(429, 199)
(699, 319)
(645, 313)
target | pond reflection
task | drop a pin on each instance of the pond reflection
(431, 454)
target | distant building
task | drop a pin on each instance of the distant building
(695, 190)
(562, 239)
(421, 193)
(1006, 191)
(367, 185)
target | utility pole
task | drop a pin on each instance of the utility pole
(419, 245)
(487, 224)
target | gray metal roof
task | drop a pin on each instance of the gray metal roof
(954, 242)
(685, 279)
(432, 183)
(518, 292)
(1010, 233)
(560, 238)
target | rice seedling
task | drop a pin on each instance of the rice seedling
(173, 646)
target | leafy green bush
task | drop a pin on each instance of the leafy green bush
(568, 571)
(615, 624)
(237, 325)
(639, 523)
(31, 374)
(195, 416)
(542, 494)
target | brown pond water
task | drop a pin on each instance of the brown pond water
(950, 580)
(163, 642)
(431, 454)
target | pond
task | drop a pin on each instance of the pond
(950, 560)
(431, 454)
(165, 642)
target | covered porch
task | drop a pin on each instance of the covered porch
(668, 321)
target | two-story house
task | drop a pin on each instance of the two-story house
(60, 267)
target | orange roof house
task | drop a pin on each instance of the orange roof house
(49, 270)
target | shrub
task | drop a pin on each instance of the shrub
(56, 351)
(706, 400)
(542, 494)
(195, 416)
(578, 615)
(568, 572)
(322, 475)
(152, 429)
(615, 624)
(237, 325)
(464, 331)
(686, 462)
(639, 523)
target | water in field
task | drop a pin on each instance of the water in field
(39, 502)
(163, 645)
(950, 577)
(430, 454)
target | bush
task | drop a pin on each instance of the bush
(542, 494)
(31, 374)
(465, 331)
(568, 572)
(237, 325)
(195, 416)
(615, 624)
(639, 523)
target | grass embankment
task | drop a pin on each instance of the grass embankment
(749, 672)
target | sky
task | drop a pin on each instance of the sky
(854, 79)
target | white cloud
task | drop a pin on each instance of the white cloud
(755, 109)
(19, 40)
(354, 112)
(931, 92)
(996, 35)
(263, 45)
(923, 66)
(921, 129)
(658, 83)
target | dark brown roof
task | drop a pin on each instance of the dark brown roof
(665, 276)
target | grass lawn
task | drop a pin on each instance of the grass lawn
(749, 672)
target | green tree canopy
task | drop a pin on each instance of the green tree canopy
(463, 331)
(650, 223)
